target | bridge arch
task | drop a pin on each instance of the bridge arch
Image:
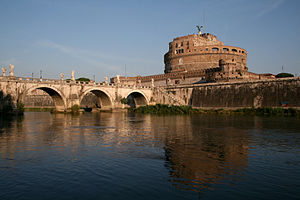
(104, 98)
(56, 95)
(137, 98)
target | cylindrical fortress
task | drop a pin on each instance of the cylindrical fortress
(201, 51)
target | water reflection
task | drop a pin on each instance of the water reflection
(10, 133)
(202, 154)
(198, 151)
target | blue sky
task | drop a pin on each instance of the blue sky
(101, 37)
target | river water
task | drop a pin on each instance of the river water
(134, 156)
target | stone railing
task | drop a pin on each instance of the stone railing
(59, 82)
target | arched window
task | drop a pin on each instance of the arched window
(234, 50)
(215, 49)
(225, 49)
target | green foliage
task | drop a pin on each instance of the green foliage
(171, 109)
(164, 109)
(39, 109)
(124, 101)
(269, 111)
(75, 108)
(82, 79)
(7, 108)
(284, 75)
(20, 106)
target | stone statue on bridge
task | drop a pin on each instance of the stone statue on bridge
(3, 71)
(11, 73)
(106, 80)
(62, 76)
(73, 77)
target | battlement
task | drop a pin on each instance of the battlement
(197, 40)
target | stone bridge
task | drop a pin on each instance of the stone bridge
(65, 94)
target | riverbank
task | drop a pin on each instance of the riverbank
(39, 109)
(171, 109)
(9, 110)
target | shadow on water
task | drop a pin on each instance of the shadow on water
(9, 121)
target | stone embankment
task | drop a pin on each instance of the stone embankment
(283, 92)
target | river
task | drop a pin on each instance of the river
(135, 156)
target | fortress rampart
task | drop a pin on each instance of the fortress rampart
(204, 51)
(254, 93)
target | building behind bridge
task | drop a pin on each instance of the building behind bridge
(198, 58)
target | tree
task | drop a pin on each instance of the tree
(82, 79)
(124, 101)
(284, 75)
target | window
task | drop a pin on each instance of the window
(234, 50)
(225, 49)
(176, 45)
(182, 44)
(215, 49)
(180, 50)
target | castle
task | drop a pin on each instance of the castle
(198, 58)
